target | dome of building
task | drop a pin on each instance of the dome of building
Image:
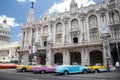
(4, 25)
(73, 5)
(4, 33)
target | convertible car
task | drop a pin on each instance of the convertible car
(98, 68)
(25, 67)
(43, 69)
(7, 66)
(67, 69)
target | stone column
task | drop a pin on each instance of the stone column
(86, 54)
(83, 56)
(48, 49)
(66, 57)
(48, 55)
(106, 51)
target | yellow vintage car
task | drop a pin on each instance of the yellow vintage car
(25, 67)
(98, 68)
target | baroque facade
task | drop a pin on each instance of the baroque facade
(86, 35)
(8, 51)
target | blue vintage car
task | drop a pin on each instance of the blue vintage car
(66, 69)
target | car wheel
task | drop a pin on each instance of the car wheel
(23, 70)
(42, 72)
(66, 72)
(96, 71)
(11, 67)
(84, 71)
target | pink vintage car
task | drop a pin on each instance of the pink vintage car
(43, 69)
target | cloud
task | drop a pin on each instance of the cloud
(22, 1)
(33, 1)
(65, 4)
(10, 21)
(19, 35)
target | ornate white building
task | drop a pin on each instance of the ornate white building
(4, 33)
(86, 35)
(8, 51)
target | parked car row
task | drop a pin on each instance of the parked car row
(61, 69)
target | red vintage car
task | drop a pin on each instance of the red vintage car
(8, 66)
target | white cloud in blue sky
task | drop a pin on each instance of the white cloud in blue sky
(32, 0)
(10, 21)
(65, 4)
(19, 35)
(22, 1)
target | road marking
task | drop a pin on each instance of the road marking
(28, 78)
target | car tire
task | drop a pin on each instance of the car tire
(11, 67)
(43, 72)
(84, 71)
(96, 71)
(23, 70)
(66, 72)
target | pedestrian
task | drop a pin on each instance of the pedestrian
(117, 65)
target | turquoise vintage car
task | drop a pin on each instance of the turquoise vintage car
(66, 69)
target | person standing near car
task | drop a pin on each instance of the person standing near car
(117, 65)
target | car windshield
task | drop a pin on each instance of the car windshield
(75, 63)
(31, 63)
(97, 64)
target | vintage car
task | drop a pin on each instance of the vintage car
(43, 69)
(7, 65)
(67, 69)
(25, 67)
(98, 68)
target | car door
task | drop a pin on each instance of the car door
(74, 68)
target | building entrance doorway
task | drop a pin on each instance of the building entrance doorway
(96, 56)
(75, 57)
(58, 58)
(114, 54)
(42, 60)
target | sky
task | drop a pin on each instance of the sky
(16, 11)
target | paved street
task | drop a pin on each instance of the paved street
(11, 74)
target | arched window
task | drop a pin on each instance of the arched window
(45, 43)
(58, 27)
(45, 29)
(94, 35)
(117, 16)
(93, 21)
(58, 58)
(94, 32)
(75, 40)
(58, 40)
(96, 57)
(74, 24)
(75, 57)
